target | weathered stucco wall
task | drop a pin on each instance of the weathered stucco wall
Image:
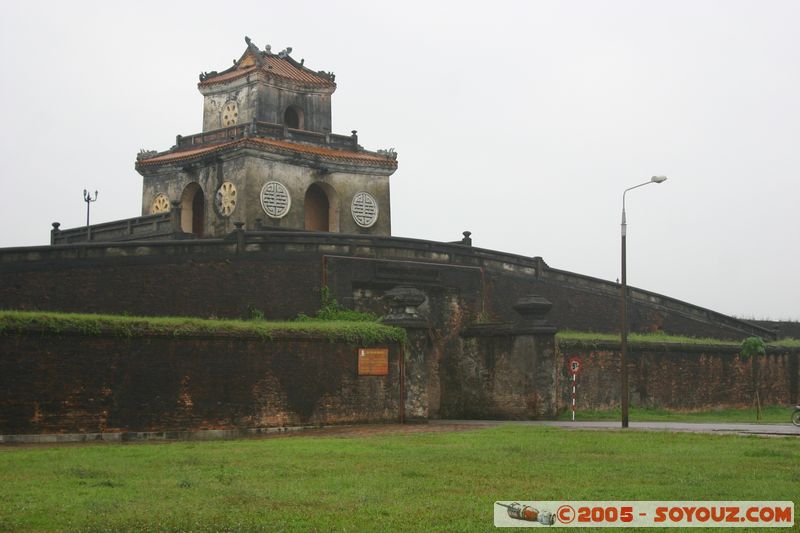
(678, 376)
(250, 172)
(496, 376)
(61, 383)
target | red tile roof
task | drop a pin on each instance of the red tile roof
(281, 67)
(271, 145)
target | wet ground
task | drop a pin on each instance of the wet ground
(434, 426)
(786, 429)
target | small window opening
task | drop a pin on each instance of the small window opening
(293, 118)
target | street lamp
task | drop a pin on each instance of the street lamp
(87, 197)
(624, 297)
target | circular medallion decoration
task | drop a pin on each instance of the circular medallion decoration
(275, 199)
(230, 114)
(226, 198)
(364, 209)
(160, 204)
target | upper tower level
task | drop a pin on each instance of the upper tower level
(266, 87)
(267, 158)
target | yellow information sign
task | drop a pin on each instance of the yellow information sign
(373, 361)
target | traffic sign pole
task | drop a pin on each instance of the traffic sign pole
(573, 396)
(574, 368)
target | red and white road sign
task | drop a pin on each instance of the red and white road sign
(574, 365)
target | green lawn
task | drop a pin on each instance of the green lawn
(421, 482)
(772, 414)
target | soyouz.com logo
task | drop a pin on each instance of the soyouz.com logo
(643, 514)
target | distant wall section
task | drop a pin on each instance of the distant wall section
(679, 376)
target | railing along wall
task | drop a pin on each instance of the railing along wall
(139, 228)
(268, 130)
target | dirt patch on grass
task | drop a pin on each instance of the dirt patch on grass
(368, 430)
(346, 431)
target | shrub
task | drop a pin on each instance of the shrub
(753, 346)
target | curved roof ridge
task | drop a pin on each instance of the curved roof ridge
(280, 65)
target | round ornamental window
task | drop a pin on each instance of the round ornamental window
(230, 114)
(275, 199)
(226, 198)
(160, 204)
(364, 209)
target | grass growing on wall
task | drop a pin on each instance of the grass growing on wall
(786, 343)
(425, 482)
(354, 332)
(590, 336)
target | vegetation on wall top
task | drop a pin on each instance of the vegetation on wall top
(662, 338)
(44, 322)
(330, 309)
(753, 346)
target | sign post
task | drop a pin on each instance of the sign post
(574, 368)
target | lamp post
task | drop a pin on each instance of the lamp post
(87, 197)
(624, 298)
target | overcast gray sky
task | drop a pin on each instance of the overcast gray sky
(522, 122)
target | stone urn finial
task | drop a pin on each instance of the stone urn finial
(403, 304)
(533, 310)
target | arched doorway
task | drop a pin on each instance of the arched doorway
(317, 209)
(193, 207)
(293, 118)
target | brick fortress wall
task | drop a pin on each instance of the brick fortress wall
(281, 273)
(74, 383)
(679, 376)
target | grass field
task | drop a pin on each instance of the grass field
(770, 414)
(421, 482)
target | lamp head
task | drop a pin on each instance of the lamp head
(658, 179)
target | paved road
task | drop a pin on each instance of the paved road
(705, 427)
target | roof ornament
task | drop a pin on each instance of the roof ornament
(268, 48)
(255, 51)
(389, 153)
(205, 75)
(145, 154)
(285, 52)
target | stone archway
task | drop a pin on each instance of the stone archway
(193, 207)
(321, 208)
(317, 209)
(294, 117)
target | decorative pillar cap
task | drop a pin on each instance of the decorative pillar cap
(403, 303)
(533, 310)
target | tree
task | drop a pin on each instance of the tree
(752, 347)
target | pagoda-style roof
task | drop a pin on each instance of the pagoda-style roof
(335, 150)
(264, 62)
